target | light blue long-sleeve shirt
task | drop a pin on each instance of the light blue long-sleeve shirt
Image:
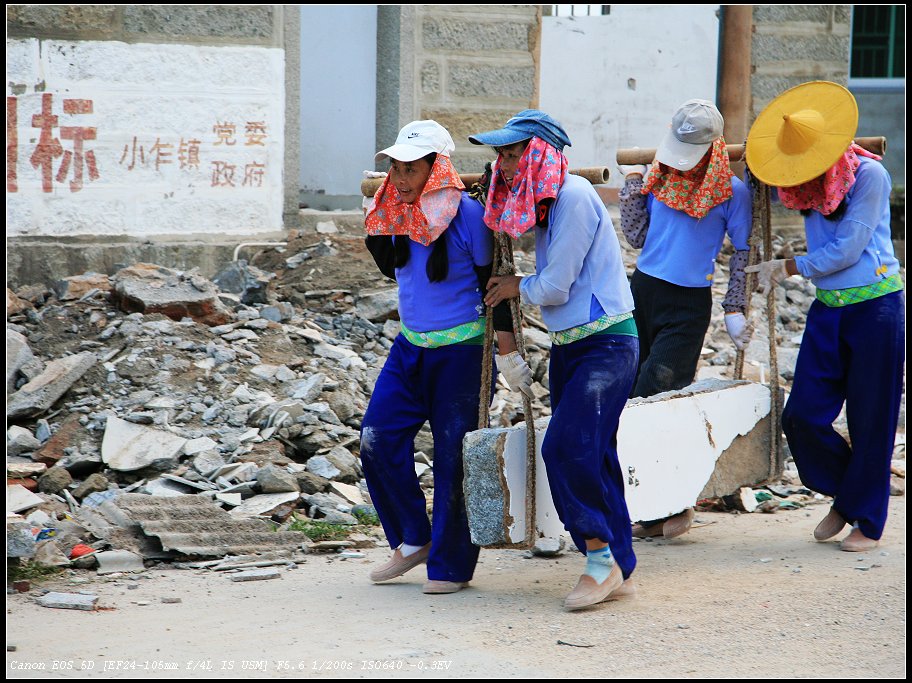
(577, 257)
(850, 252)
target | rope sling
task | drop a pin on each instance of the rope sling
(504, 265)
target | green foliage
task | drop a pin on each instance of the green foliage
(321, 531)
(30, 571)
(365, 517)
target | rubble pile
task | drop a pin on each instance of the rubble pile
(163, 414)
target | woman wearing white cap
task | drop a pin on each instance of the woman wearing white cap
(585, 301)
(852, 351)
(427, 234)
(679, 213)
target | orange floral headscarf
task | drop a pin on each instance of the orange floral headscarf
(697, 191)
(824, 193)
(425, 219)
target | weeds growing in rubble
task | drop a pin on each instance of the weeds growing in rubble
(366, 517)
(30, 571)
(321, 531)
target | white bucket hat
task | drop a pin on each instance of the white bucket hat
(418, 139)
(694, 127)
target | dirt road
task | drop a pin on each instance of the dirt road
(740, 596)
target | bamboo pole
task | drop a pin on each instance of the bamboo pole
(635, 155)
(597, 175)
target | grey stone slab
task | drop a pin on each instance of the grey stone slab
(69, 601)
(256, 575)
(41, 393)
(19, 498)
(127, 447)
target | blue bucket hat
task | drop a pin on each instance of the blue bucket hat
(524, 125)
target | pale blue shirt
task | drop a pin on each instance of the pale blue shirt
(424, 305)
(848, 252)
(682, 250)
(577, 257)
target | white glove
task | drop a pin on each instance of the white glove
(627, 170)
(771, 273)
(739, 329)
(516, 371)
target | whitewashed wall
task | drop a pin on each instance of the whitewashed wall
(615, 80)
(176, 139)
(338, 96)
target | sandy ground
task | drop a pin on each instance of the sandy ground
(739, 596)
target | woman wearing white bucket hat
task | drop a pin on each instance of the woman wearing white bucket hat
(679, 213)
(425, 232)
(852, 351)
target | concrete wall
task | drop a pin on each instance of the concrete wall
(467, 67)
(137, 122)
(615, 80)
(338, 100)
(882, 111)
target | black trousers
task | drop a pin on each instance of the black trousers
(672, 322)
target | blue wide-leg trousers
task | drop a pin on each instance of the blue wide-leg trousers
(850, 355)
(590, 380)
(416, 385)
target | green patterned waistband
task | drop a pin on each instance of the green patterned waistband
(467, 332)
(834, 298)
(596, 326)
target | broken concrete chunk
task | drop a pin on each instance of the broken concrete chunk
(42, 392)
(69, 601)
(20, 440)
(148, 288)
(19, 498)
(669, 447)
(127, 447)
(48, 553)
(322, 467)
(94, 483)
(274, 479)
(256, 575)
(54, 480)
(18, 354)
(20, 541)
(263, 504)
(77, 286)
(112, 561)
(378, 305)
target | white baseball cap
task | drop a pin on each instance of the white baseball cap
(694, 127)
(418, 139)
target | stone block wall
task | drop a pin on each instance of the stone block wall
(793, 44)
(467, 67)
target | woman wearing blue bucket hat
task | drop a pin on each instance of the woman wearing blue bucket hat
(581, 286)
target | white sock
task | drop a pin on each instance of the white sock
(407, 549)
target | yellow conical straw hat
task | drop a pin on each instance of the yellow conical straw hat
(801, 133)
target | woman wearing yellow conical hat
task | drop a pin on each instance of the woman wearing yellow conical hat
(852, 352)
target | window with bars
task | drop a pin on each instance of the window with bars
(579, 10)
(878, 41)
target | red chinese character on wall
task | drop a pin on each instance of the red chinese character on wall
(256, 133)
(188, 154)
(253, 174)
(126, 151)
(49, 147)
(12, 145)
(223, 174)
(225, 133)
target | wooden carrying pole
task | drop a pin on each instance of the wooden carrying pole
(597, 175)
(635, 155)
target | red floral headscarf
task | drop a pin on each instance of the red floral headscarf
(539, 175)
(825, 192)
(425, 219)
(697, 191)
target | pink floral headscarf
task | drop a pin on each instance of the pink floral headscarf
(539, 175)
(425, 219)
(824, 193)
